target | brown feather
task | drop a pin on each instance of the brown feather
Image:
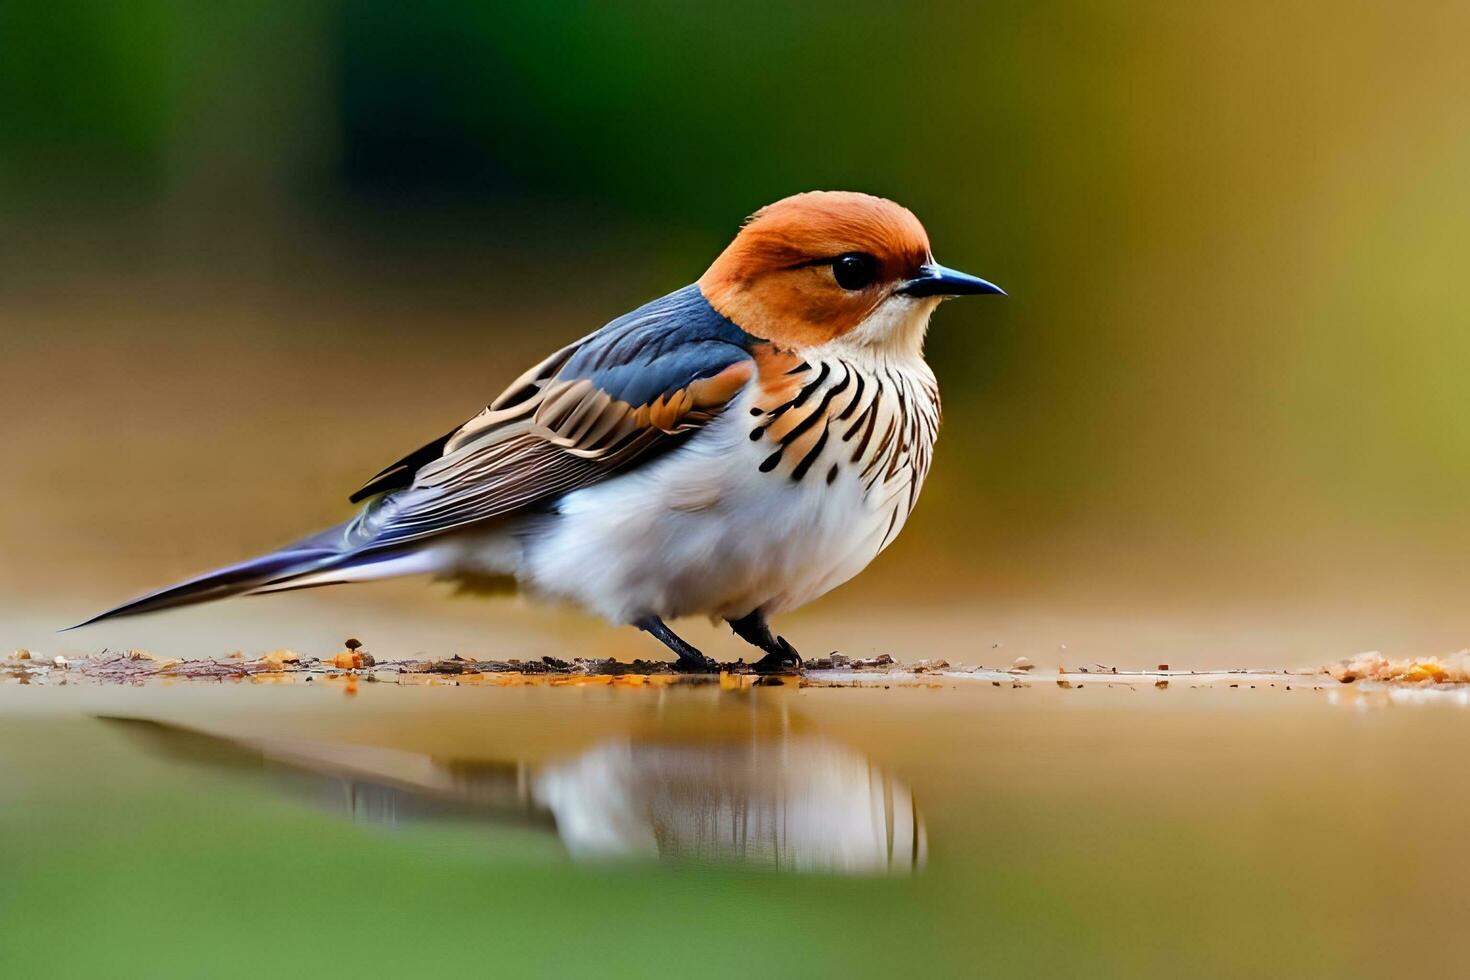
(545, 437)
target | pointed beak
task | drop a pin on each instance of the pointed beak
(935, 280)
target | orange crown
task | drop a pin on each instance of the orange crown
(775, 279)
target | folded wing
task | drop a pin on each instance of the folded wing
(618, 396)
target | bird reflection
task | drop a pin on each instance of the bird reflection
(798, 804)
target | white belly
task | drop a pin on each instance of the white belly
(702, 532)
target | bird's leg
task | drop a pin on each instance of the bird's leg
(690, 659)
(780, 655)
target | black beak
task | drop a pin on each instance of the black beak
(935, 280)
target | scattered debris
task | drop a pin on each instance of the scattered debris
(352, 665)
(279, 659)
(922, 666)
(1374, 666)
(160, 663)
(836, 661)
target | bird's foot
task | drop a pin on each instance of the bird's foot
(780, 657)
(783, 659)
(690, 661)
(695, 663)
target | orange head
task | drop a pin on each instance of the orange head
(828, 264)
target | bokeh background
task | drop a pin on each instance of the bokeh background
(252, 251)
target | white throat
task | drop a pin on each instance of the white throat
(894, 331)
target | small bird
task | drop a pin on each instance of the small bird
(734, 449)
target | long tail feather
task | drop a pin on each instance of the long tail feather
(349, 552)
(246, 576)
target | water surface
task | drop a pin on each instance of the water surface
(947, 828)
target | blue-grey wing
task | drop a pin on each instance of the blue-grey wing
(617, 395)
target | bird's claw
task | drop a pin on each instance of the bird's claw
(782, 660)
(693, 665)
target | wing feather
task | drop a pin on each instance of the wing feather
(620, 395)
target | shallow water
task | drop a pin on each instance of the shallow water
(950, 828)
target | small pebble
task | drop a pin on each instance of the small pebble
(1022, 663)
(60, 661)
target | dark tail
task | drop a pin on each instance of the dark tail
(310, 555)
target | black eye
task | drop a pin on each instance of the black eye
(854, 270)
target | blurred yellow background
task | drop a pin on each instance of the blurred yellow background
(254, 251)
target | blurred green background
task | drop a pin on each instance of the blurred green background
(253, 251)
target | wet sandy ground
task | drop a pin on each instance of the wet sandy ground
(350, 670)
(354, 665)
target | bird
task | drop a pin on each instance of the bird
(733, 449)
